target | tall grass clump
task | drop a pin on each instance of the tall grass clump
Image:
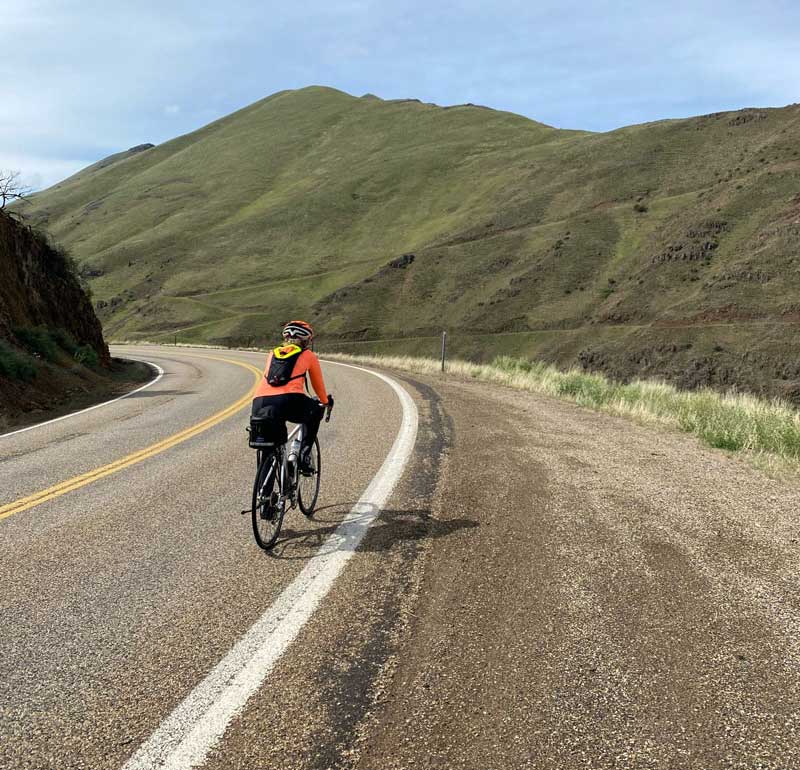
(37, 340)
(15, 365)
(738, 421)
(87, 356)
(45, 343)
(732, 421)
(64, 340)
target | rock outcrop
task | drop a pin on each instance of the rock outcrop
(39, 287)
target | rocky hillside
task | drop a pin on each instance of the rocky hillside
(51, 342)
(39, 287)
(670, 248)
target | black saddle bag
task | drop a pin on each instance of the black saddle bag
(266, 429)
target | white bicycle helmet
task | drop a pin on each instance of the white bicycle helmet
(298, 330)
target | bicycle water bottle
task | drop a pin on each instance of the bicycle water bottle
(294, 450)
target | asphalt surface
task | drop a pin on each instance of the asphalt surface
(548, 587)
(118, 597)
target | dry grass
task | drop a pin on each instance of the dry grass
(732, 421)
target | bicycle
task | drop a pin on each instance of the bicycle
(280, 485)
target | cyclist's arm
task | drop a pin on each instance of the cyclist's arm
(315, 372)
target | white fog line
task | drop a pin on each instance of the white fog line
(90, 408)
(185, 737)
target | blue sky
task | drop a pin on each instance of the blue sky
(80, 79)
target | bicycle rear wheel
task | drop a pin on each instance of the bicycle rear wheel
(308, 486)
(267, 512)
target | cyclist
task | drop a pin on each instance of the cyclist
(280, 395)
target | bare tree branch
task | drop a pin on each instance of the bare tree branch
(12, 189)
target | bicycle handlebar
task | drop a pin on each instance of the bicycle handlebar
(329, 408)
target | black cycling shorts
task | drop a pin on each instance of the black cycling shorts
(294, 407)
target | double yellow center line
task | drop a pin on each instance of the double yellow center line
(24, 503)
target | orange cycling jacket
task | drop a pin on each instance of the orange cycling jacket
(307, 363)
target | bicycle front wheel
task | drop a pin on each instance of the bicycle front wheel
(267, 510)
(308, 485)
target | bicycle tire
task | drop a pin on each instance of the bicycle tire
(267, 516)
(308, 498)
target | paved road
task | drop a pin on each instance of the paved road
(547, 587)
(120, 595)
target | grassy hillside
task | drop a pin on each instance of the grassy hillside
(669, 247)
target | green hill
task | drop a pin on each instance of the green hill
(667, 248)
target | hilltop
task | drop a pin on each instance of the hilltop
(669, 248)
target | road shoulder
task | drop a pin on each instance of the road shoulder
(77, 392)
(622, 598)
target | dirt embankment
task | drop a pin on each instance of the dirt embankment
(39, 288)
(52, 352)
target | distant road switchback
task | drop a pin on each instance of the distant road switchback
(544, 587)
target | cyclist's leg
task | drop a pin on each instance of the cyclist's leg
(300, 408)
(305, 410)
(270, 408)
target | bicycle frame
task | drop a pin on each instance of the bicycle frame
(287, 483)
(278, 486)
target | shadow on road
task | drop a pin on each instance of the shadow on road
(390, 528)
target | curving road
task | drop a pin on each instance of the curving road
(545, 587)
(128, 571)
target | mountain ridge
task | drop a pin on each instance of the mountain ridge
(299, 204)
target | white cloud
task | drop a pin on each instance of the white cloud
(84, 78)
(39, 172)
